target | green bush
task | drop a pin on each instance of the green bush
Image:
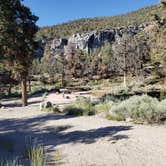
(58, 84)
(81, 107)
(161, 107)
(51, 109)
(162, 95)
(34, 152)
(104, 106)
(115, 117)
(141, 109)
(121, 90)
(95, 83)
(71, 110)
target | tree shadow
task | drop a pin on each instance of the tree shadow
(19, 104)
(11, 105)
(18, 129)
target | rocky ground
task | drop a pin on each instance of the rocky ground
(84, 140)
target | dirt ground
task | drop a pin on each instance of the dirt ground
(83, 141)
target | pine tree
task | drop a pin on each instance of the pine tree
(17, 45)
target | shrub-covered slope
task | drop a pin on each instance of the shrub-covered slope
(90, 24)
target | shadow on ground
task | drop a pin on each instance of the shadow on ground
(11, 105)
(18, 129)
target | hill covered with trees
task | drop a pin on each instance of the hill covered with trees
(98, 23)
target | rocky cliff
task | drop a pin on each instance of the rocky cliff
(91, 41)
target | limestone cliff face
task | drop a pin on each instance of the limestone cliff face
(93, 40)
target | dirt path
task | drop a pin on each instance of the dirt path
(53, 97)
(87, 140)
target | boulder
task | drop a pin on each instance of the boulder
(129, 119)
(56, 109)
(67, 97)
(46, 104)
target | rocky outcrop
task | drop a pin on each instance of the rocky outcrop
(58, 45)
(93, 40)
(96, 39)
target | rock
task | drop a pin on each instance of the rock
(96, 39)
(46, 104)
(56, 109)
(67, 97)
(128, 119)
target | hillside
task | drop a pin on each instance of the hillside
(142, 39)
(90, 24)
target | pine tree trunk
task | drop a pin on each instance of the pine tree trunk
(10, 84)
(9, 90)
(24, 92)
(63, 78)
(63, 73)
(125, 71)
(124, 79)
(29, 85)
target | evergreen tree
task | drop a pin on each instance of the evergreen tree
(17, 45)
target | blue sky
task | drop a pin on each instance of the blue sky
(52, 12)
